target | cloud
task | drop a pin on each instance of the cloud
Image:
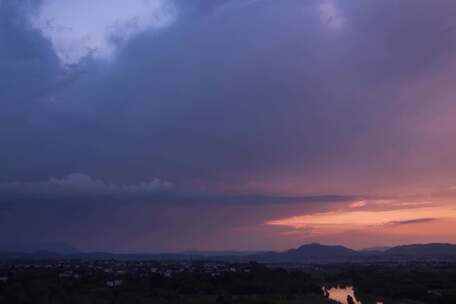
(358, 204)
(78, 29)
(84, 183)
(348, 219)
(82, 188)
(295, 99)
(413, 221)
(331, 15)
(77, 185)
(276, 105)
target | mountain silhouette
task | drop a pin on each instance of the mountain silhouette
(423, 250)
(307, 254)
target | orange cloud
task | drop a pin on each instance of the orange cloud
(352, 219)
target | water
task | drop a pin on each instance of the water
(340, 294)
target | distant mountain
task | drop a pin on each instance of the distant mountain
(306, 254)
(378, 249)
(56, 248)
(219, 253)
(423, 250)
(309, 253)
(324, 253)
(316, 250)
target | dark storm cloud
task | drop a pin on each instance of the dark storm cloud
(28, 69)
(284, 93)
(238, 94)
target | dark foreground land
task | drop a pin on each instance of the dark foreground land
(112, 282)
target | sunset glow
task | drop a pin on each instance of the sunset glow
(368, 218)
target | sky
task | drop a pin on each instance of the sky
(170, 125)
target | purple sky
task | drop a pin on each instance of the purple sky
(163, 125)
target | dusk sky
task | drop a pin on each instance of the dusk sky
(169, 125)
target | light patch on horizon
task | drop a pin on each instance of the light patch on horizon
(331, 15)
(78, 29)
(358, 204)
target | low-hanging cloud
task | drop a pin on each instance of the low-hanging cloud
(84, 189)
(81, 184)
(414, 221)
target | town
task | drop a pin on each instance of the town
(114, 281)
